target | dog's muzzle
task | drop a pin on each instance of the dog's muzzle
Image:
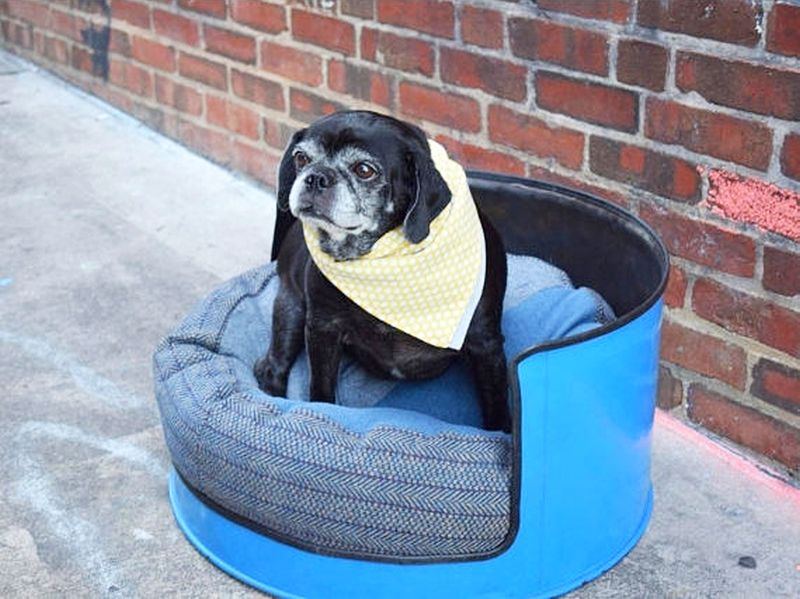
(320, 179)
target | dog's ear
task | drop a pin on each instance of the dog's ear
(429, 190)
(287, 172)
(286, 176)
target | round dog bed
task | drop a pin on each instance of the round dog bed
(272, 489)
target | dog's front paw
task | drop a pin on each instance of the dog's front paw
(270, 379)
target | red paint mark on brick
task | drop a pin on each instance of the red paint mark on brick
(756, 202)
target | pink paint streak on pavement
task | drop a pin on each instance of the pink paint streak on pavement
(756, 202)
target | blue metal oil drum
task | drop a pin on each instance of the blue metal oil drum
(583, 413)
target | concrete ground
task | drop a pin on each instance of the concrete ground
(108, 234)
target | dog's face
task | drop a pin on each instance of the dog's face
(356, 175)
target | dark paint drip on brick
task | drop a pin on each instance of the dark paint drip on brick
(98, 38)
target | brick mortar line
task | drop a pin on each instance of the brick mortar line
(749, 285)
(743, 398)
(457, 35)
(688, 318)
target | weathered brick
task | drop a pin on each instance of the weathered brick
(257, 89)
(277, 133)
(748, 315)
(56, 50)
(120, 43)
(369, 44)
(360, 82)
(67, 24)
(202, 70)
(154, 117)
(134, 13)
(432, 104)
(642, 63)
(38, 42)
(216, 145)
(228, 43)
(364, 9)
(790, 156)
(732, 21)
(182, 97)
(726, 137)
(670, 389)
(255, 161)
(549, 176)
(259, 15)
(216, 8)
(476, 157)
(81, 59)
(407, 54)
(232, 116)
(176, 27)
(675, 293)
(570, 47)
(308, 107)
(750, 87)
(482, 26)
(616, 11)
(600, 104)
(21, 34)
(153, 53)
(781, 271)
(777, 384)
(745, 425)
(530, 134)
(493, 75)
(701, 242)
(131, 77)
(31, 11)
(291, 63)
(113, 95)
(436, 17)
(326, 32)
(783, 29)
(704, 354)
(652, 171)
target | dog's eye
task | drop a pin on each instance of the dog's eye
(364, 170)
(301, 159)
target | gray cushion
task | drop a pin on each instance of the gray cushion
(391, 470)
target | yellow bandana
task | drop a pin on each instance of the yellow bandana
(428, 290)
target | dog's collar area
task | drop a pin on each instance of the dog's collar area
(430, 289)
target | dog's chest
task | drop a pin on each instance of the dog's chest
(390, 353)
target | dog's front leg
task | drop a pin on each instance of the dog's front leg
(324, 347)
(488, 365)
(288, 318)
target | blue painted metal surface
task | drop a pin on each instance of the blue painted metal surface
(586, 419)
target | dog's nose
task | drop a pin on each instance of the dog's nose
(320, 179)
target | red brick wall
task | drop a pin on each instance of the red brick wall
(686, 111)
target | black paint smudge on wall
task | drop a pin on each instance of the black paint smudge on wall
(98, 38)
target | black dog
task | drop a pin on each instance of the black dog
(354, 176)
